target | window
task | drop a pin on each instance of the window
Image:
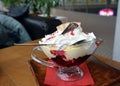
(89, 6)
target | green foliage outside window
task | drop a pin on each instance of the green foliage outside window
(36, 5)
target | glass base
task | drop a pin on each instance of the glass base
(69, 73)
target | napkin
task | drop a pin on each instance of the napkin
(52, 80)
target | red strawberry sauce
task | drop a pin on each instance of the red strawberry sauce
(61, 59)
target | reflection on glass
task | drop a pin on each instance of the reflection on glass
(106, 12)
(89, 6)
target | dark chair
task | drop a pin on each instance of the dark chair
(38, 27)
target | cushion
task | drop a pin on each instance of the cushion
(18, 12)
(3, 36)
(14, 31)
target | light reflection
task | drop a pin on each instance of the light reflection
(106, 12)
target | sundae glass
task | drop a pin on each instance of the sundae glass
(68, 47)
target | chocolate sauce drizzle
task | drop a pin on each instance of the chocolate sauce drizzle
(70, 27)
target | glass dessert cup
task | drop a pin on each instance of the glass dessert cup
(66, 61)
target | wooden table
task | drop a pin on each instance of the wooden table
(15, 69)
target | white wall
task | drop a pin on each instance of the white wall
(116, 50)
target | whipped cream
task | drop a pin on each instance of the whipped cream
(65, 42)
(61, 41)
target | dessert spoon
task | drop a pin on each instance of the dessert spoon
(32, 44)
(37, 44)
